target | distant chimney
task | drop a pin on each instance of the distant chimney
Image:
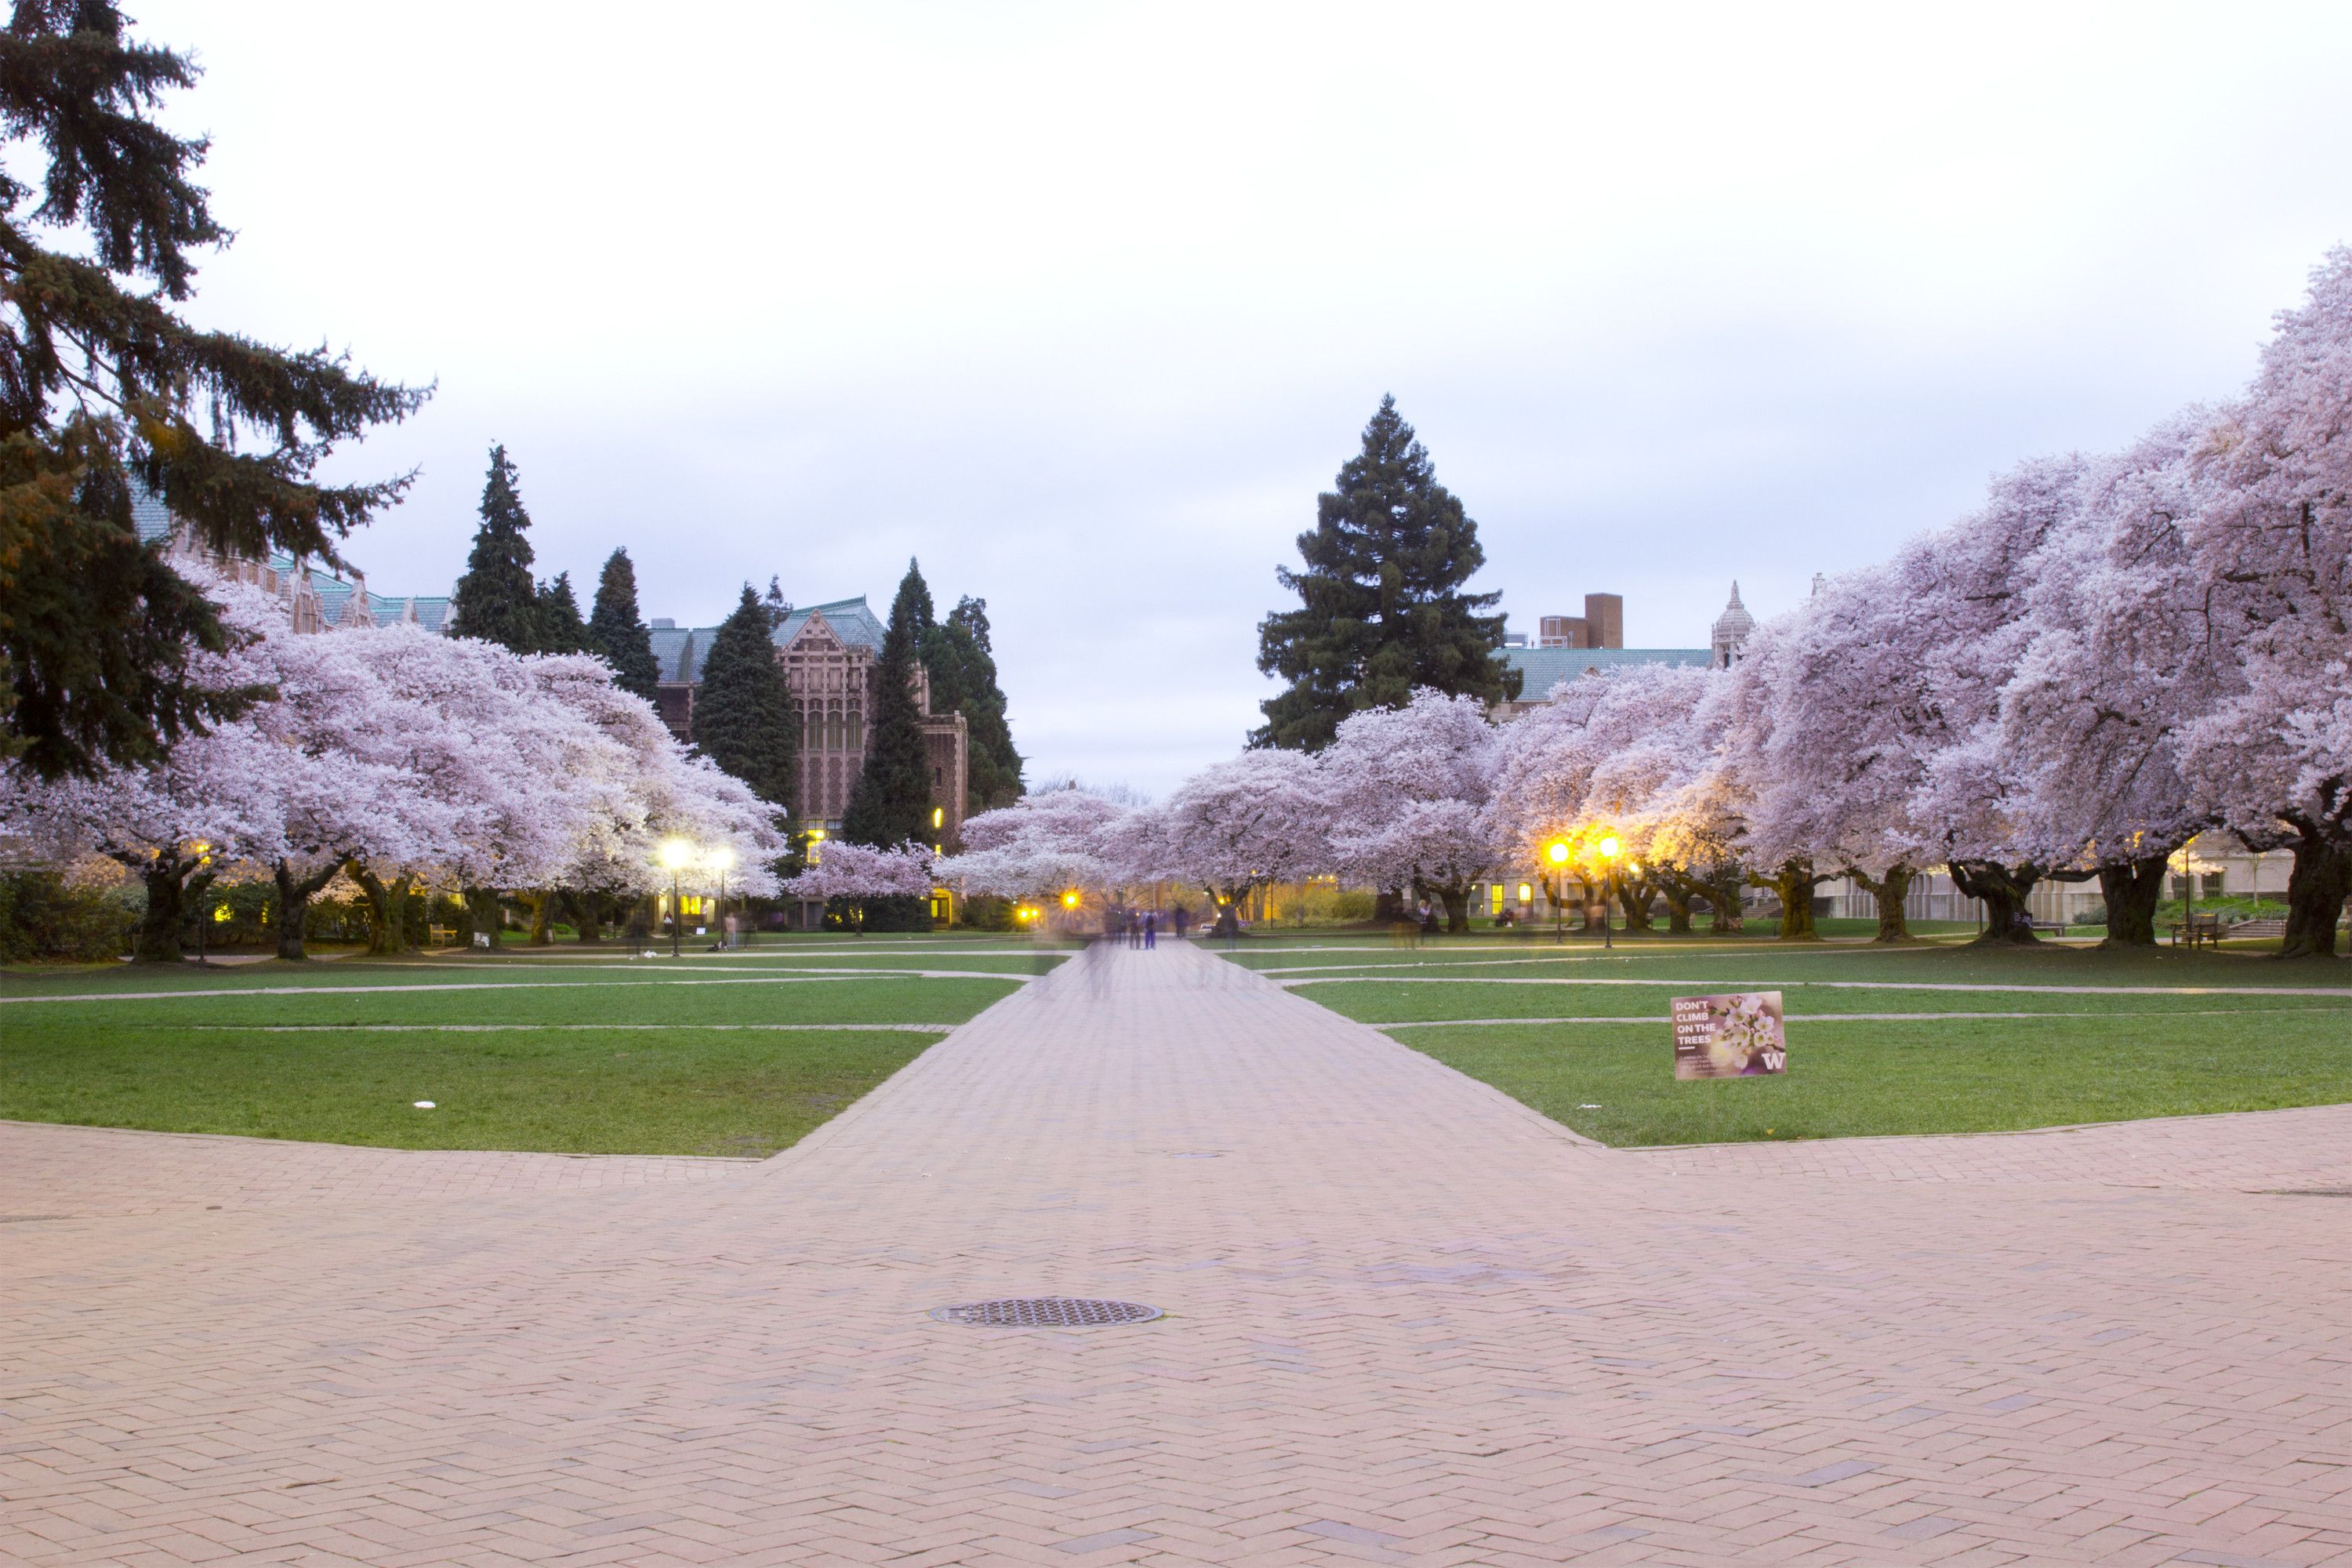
(1604, 620)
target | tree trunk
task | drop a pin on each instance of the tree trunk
(2003, 890)
(1678, 895)
(169, 883)
(1229, 910)
(2316, 893)
(587, 917)
(1388, 907)
(294, 894)
(387, 910)
(1890, 891)
(1635, 897)
(483, 916)
(1794, 881)
(542, 917)
(1725, 917)
(2132, 889)
(1457, 899)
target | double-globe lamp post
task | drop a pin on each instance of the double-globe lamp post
(1608, 847)
(1558, 853)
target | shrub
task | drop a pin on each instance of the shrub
(42, 918)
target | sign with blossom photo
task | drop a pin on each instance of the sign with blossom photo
(1740, 1035)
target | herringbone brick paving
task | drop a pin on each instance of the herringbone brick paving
(1409, 1322)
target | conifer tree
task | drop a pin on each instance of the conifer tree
(962, 669)
(892, 801)
(616, 635)
(102, 384)
(496, 599)
(743, 718)
(1381, 611)
(560, 629)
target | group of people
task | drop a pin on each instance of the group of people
(1141, 927)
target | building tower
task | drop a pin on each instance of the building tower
(1731, 629)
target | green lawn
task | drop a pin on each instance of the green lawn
(2106, 1036)
(574, 1053)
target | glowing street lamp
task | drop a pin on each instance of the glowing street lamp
(675, 854)
(1556, 852)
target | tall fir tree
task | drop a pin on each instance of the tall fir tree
(105, 389)
(496, 599)
(1381, 607)
(743, 716)
(892, 800)
(616, 635)
(962, 669)
(560, 629)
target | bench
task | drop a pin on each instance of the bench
(2056, 928)
(2273, 927)
(2196, 928)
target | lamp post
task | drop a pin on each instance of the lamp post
(721, 859)
(1608, 847)
(675, 854)
(1557, 853)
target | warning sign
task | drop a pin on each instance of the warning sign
(1740, 1035)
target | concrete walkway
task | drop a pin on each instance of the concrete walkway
(1409, 1321)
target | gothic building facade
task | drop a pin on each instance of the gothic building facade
(830, 655)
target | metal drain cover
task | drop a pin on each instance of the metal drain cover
(1047, 1312)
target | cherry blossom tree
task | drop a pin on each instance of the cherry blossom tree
(1045, 844)
(1408, 790)
(858, 873)
(2272, 552)
(2115, 667)
(1243, 824)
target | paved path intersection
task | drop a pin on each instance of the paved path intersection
(1409, 1322)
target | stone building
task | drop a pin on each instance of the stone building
(1733, 628)
(316, 600)
(830, 655)
(1568, 647)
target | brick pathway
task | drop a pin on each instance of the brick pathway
(1409, 1322)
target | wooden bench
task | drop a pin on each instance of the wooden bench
(2272, 926)
(2056, 928)
(2196, 928)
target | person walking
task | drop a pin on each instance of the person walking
(1184, 919)
(1150, 929)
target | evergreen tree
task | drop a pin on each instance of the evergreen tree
(102, 385)
(496, 600)
(1381, 610)
(617, 634)
(892, 800)
(963, 680)
(560, 629)
(779, 608)
(742, 716)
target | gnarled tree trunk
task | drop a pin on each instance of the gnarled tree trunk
(1676, 890)
(2132, 889)
(294, 894)
(1725, 883)
(1794, 881)
(2003, 890)
(1890, 890)
(169, 880)
(2316, 893)
(1634, 893)
(387, 909)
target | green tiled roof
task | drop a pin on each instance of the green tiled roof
(1545, 668)
(856, 624)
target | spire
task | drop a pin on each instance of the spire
(1731, 629)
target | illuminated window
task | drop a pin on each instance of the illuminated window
(1494, 906)
(1526, 893)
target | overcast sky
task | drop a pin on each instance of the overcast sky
(1082, 304)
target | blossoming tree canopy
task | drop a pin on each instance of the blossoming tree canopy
(858, 874)
(2272, 546)
(1242, 825)
(1408, 790)
(1049, 843)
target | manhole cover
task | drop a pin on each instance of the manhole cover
(1047, 1312)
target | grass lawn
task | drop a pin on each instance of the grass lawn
(538, 1049)
(2104, 1037)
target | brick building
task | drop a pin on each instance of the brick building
(830, 655)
